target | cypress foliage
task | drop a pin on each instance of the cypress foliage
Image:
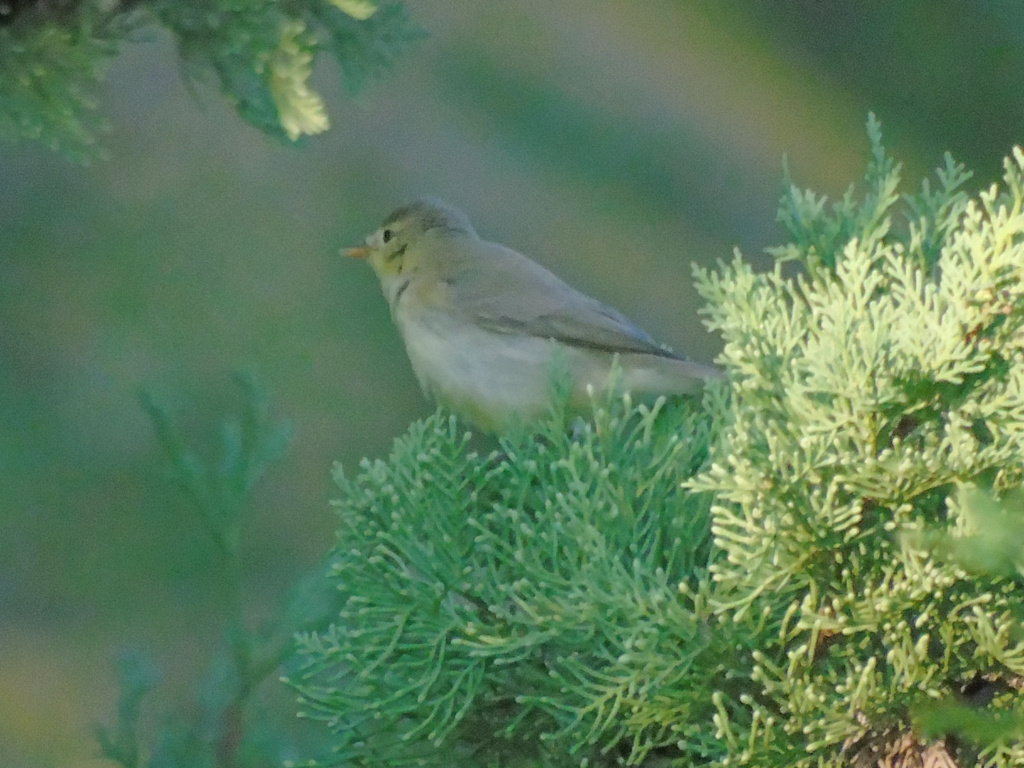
(818, 565)
(259, 52)
(531, 604)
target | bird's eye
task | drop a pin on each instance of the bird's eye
(386, 235)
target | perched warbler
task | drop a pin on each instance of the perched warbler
(486, 328)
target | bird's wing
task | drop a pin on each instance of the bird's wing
(505, 292)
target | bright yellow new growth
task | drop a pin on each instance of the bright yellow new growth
(299, 107)
(357, 9)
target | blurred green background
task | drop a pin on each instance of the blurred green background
(615, 142)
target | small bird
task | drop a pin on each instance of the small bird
(486, 328)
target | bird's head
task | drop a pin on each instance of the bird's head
(390, 249)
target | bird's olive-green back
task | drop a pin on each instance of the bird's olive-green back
(503, 291)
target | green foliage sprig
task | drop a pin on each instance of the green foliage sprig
(260, 53)
(524, 605)
(49, 73)
(226, 724)
(220, 490)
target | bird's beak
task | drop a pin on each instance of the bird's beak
(359, 252)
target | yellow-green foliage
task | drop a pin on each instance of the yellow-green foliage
(568, 600)
(870, 389)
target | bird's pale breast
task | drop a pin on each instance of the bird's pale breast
(489, 378)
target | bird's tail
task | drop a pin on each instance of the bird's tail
(667, 376)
